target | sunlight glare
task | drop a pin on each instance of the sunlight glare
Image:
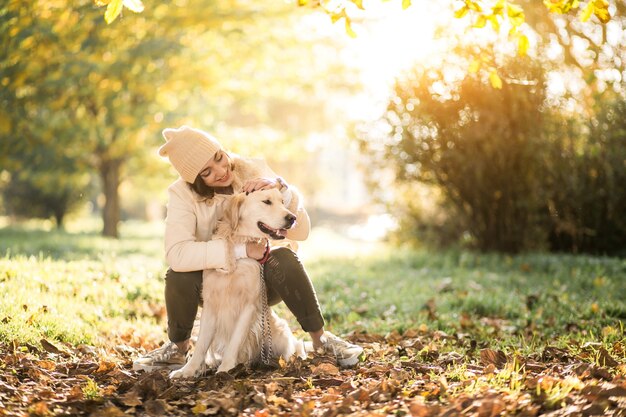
(390, 41)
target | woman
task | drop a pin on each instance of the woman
(208, 175)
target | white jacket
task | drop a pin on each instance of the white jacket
(191, 220)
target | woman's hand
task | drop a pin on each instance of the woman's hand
(256, 250)
(259, 184)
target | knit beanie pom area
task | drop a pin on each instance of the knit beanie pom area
(188, 150)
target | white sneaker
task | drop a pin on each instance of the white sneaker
(347, 354)
(167, 356)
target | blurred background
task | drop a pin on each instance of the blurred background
(427, 126)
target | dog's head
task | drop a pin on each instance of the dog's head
(260, 214)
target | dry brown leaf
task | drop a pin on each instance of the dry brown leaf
(419, 409)
(325, 368)
(330, 398)
(76, 393)
(605, 358)
(490, 407)
(431, 309)
(306, 408)
(131, 399)
(360, 394)
(155, 407)
(489, 369)
(108, 411)
(105, 365)
(47, 365)
(466, 321)
(39, 408)
(328, 382)
(594, 409)
(49, 347)
(495, 357)
(278, 401)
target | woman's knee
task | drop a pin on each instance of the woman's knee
(284, 268)
(285, 257)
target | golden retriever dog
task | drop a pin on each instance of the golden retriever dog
(231, 324)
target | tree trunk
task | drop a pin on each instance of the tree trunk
(59, 216)
(110, 176)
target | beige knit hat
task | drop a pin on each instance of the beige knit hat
(188, 150)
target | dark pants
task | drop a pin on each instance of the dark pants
(285, 279)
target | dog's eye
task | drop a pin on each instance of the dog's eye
(268, 202)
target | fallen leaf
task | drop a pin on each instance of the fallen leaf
(105, 365)
(328, 382)
(605, 358)
(76, 393)
(419, 409)
(329, 398)
(495, 357)
(108, 411)
(278, 401)
(39, 408)
(489, 369)
(49, 347)
(490, 407)
(431, 309)
(155, 407)
(199, 408)
(47, 365)
(325, 368)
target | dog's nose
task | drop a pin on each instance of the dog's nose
(290, 219)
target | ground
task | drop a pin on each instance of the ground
(405, 374)
(445, 333)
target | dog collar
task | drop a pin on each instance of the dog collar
(266, 255)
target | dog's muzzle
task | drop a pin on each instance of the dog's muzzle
(278, 234)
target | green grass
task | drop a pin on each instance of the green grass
(78, 287)
(82, 240)
(496, 298)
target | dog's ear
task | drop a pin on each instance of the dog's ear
(232, 213)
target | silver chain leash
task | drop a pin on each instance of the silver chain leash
(266, 330)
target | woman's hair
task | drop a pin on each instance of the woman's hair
(201, 188)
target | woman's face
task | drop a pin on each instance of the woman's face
(217, 172)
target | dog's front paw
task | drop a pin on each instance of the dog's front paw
(185, 372)
(176, 374)
(302, 349)
(225, 367)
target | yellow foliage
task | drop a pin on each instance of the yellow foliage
(601, 10)
(349, 29)
(495, 80)
(114, 8)
(475, 66)
(5, 124)
(516, 15)
(587, 12)
(522, 45)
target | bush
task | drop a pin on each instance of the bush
(587, 174)
(508, 172)
(50, 187)
(478, 145)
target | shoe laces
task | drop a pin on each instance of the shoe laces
(334, 343)
(164, 352)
